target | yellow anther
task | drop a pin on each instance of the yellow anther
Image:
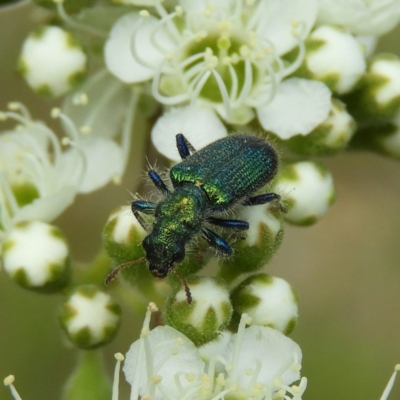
(224, 25)
(179, 340)
(119, 357)
(144, 14)
(86, 129)
(156, 379)
(179, 11)
(116, 179)
(295, 389)
(55, 112)
(9, 380)
(152, 307)
(190, 377)
(244, 51)
(65, 141)
(277, 382)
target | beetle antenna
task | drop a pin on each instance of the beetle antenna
(185, 285)
(115, 271)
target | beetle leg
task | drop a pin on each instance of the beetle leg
(158, 182)
(263, 199)
(216, 241)
(184, 146)
(144, 207)
(229, 223)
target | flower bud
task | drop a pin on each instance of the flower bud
(90, 317)
(35, 255)
(335, 58)
(208, 314)
(122, 238)
(380, 95)
(383, 137)
(52, 61)
(268, 300)
(307, 188)
(258, 244)
(330, 137)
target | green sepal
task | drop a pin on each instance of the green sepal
(89, 380)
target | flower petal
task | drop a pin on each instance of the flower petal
(47, 209)
(133, 30)
(277, 18)
(373, 17)
(106, 105)
(217, 346)
(164, 353)
(104, 161)
(274, 352)
(201, 126)
(298, 107)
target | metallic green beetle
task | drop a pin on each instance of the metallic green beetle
(206, 183)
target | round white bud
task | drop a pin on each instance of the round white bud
(209, 312)
(123, 235)
(35, 255)
(383, 84)
(268, 300)
(90, 317)
(336, 58)
(52, 61)
(307, 189)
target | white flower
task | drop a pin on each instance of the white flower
(224, 55)
(52, 61)
(39, 179)
(257, 362)
(361, 17)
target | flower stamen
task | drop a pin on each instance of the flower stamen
(8, 381)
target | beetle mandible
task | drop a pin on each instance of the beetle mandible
(206, 183)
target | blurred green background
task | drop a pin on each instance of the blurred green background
(346, 269)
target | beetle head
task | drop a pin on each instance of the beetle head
(162, 256)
